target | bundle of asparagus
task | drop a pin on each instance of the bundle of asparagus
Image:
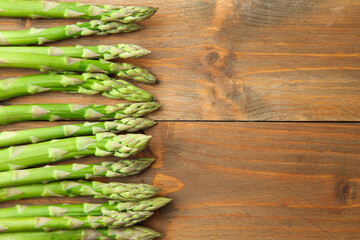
(55, 223)
(86, 83)
(44, 35)
(120, 18)
(46, 63)
(124, 233)
(113, 190)
(53, 112)
(106, 52)
(83, 209)
(130, 203)
(122, 168)
(44, 9)
(8, 138)
(101, 144)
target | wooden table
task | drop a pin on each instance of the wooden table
(258, 136)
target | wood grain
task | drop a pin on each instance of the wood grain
(251, 180)
(240, 60)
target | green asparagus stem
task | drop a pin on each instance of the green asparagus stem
(55, 223)
(83, 209)
(43, 35)
(102, 144)
(47, 63)
(106, 52)
(124, 233)
(87, 83)
(113, 190)
(122, 168)
(45, 9)
(9, 138)
(53, 112)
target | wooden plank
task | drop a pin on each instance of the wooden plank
(251, 180)
(239, 60)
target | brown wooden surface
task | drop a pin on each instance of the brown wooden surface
(234, 61)
(251, 180)
(241, 60)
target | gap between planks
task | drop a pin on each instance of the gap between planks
(255, 121)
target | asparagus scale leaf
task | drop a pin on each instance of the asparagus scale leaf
(9, 138)
(123, 233)
(44, 35)
(45, 9)
(113, 190)
(47, 63)
(86, 83)
(122, 168)
(56, 111)
(83, 209)
(102, 144)
(106, 52)
(123, 219)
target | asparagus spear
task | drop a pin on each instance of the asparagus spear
(87, 83)
(106, 52)
(53, 112)
(113, 190)
(83, 209)
(54, 223)
(43, 35)
(46, 63)
(102, 144)
(45, 9)
(9, 138)
(124, 233)
(122, 168)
